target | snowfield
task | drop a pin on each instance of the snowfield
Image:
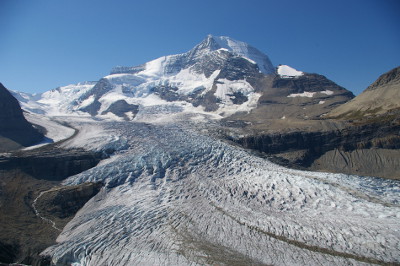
(174, 195)
(285, 71)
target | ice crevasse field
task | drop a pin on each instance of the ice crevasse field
(175, 195)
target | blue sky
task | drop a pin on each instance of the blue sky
(49, 43)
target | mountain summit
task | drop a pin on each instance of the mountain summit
(212, 54)
(239, 48)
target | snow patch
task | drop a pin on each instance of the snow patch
(285, 71)
(227, 88)
(303, 94)
(327, 92)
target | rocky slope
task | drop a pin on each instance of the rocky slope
(363, 138)
(292, 103)
(371, 150)
(15, 131)
(379, 98)
(29, 202)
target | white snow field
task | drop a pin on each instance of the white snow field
(174, 196)
(286, 71)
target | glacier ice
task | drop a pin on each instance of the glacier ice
(176, 196)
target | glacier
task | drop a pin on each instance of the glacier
(176, 194)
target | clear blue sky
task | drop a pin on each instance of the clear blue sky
(49, 43)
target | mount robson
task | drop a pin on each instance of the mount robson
(210, 157)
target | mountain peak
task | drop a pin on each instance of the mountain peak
(239, 48)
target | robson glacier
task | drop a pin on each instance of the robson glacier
(173, 195)
(176, 193)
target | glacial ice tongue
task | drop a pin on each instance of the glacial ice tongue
(174, 196)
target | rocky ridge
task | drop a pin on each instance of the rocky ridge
(15, 130)
(380, 98)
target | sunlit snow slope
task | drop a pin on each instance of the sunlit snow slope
(175, 196)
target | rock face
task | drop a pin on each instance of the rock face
(53, 165)
(379, 98)
(63, 202)
(306, 97)
(15, 131)
(123, 109)
(371, 149)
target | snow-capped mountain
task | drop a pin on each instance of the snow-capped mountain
(61, 100)
(220, 76)
(216, 75)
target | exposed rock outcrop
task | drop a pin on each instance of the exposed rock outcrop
(53, 165)
(15, 130)
(60, 203)
(358, 149)
(123, 109)
(292, 104)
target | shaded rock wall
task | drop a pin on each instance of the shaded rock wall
(363, 149)
(13, 125)
(51, 165)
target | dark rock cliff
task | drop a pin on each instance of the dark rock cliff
(362, 149)
(15, 130)
(52, 165)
